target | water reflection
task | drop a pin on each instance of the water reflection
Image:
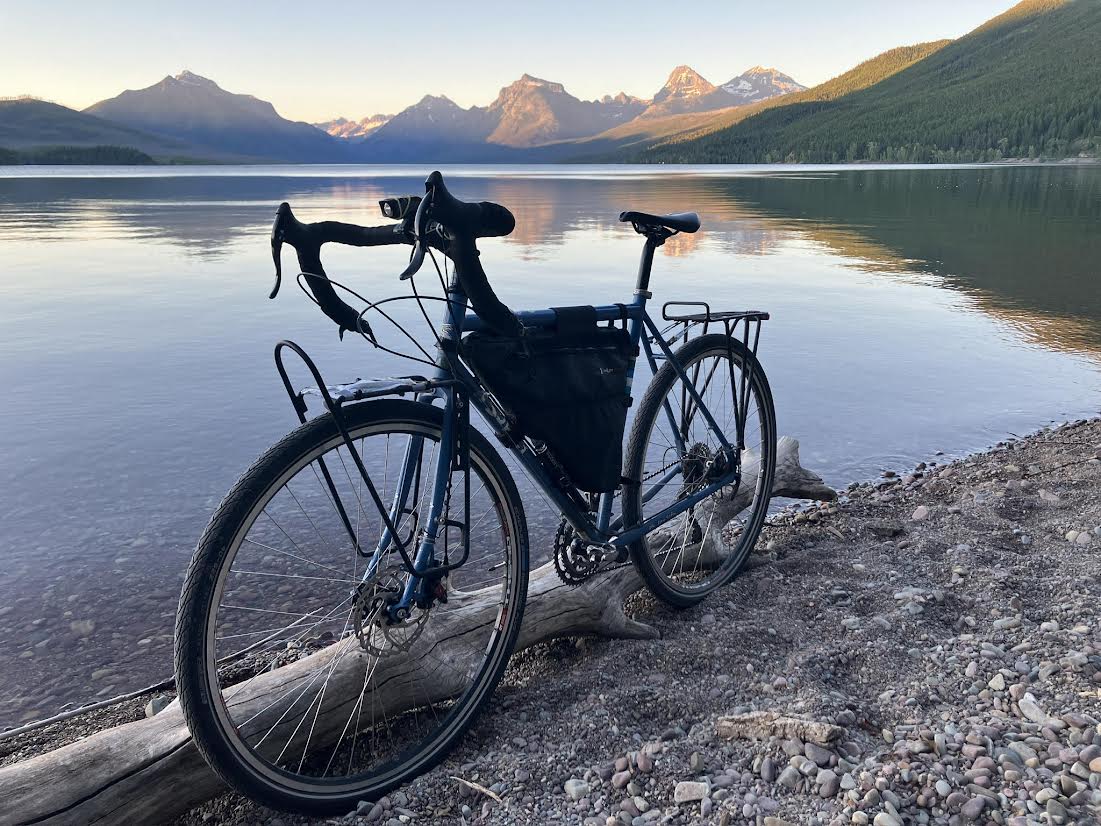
(1023, 242)
(912, 311)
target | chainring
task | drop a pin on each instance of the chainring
(574, 560)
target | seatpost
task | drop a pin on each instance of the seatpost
(646, 264)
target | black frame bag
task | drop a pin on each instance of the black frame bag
(567, 389)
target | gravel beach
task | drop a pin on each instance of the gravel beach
(925, 650)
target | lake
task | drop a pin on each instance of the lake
(914, 310)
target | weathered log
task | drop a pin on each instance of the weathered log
(761, 725)
(149, 771)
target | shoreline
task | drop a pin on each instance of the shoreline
(938, 586)
(182, 166)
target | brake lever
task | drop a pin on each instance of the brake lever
(416, 260)
(420, 245)
(277, 236)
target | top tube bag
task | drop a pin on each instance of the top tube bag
(566, 388)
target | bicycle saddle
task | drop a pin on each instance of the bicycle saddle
(677, 222)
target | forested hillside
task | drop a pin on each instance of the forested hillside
(81, 155)
(1025, 84)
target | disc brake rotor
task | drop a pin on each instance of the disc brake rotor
(377, 634)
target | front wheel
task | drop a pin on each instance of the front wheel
(301, 689)
(673, 452)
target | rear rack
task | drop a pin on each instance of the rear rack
(743, 326)
(708, 315)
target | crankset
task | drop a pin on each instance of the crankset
(575, 560)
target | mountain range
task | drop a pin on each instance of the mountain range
(533, 112)
(1026, 83)
(190, 116)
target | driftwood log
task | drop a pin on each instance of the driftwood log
(149, 771)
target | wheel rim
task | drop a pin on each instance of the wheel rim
(319, 736)
(687, 553)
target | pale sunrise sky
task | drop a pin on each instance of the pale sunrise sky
(316, 61)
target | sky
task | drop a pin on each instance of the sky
(316, 61)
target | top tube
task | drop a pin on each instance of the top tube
(548, 318)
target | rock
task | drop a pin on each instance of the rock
(997, 682)
(156, 705)
(885, 528)
(943, 788)
(1031, 710)
(920, 514)
(818, 754)
(886, 819)
(768, 770)
(973, 808)
(789, 777)
(956, 800)
(1049, 498)
(621, 779)
(761, 725)
(644, 762)
(575, 789)
(1095, 765)
(690, 791)
(828, 783)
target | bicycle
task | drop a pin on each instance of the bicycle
(354, 601)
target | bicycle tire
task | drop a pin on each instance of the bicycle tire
(650, 408)
(192, 658)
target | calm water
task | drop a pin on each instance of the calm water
(914, 310)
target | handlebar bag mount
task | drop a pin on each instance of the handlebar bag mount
(566, 388)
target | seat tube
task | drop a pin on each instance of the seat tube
(642, 292)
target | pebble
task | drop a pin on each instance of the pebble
(920, 514)
(789, 777)
(828, 783)
(157, 705)
(576, 789)
(819, 755)
(690, 791)
(973, 808)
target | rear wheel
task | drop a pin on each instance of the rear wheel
(672, 451)
(300, 690)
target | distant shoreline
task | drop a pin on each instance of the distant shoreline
(198, 165)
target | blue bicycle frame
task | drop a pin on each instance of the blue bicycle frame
(454, 385)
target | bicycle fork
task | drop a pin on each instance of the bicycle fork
(423, 585)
